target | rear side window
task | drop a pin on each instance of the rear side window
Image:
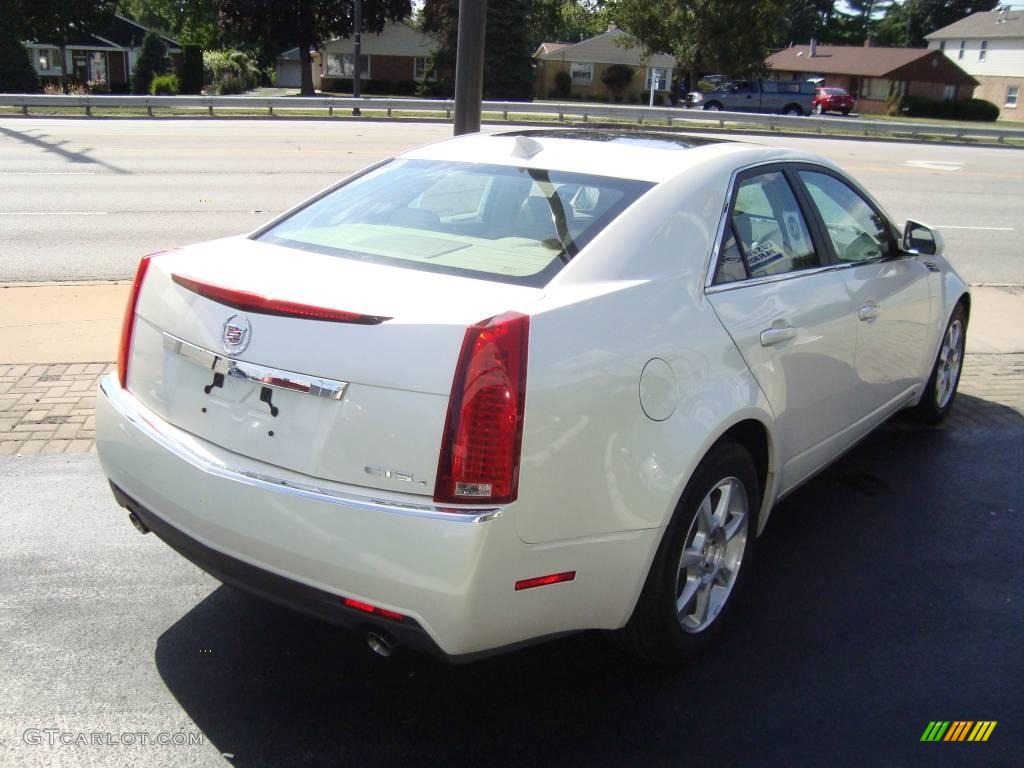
(516, 225)
(765, 233)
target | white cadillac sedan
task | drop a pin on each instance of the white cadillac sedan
(509, 386)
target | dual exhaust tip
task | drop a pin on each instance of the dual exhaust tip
(378, 641)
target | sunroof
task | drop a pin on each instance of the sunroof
(650, 139)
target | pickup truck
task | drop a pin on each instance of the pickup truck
(787, 97)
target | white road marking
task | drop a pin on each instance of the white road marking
(50, 173)
(934, 165)
(53, 213)
(992, 229)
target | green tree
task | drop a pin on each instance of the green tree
(280, 25)
(906, 23)
(152, 61)
(508, 57)
(56, 21)
(192, 22)
(726, 36)
(16, 72)
(567, 21)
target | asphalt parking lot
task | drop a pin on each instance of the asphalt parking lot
(886, 593)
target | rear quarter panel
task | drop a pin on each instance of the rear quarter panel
(593, 462)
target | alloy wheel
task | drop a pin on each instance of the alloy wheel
(712, 555)
(948, 370)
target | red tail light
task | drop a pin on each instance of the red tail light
(483, 434)
(128, 324)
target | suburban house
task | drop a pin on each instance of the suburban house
(399, 54)
(588, 60)
(871, 73)
(990, 47)
(106, 59)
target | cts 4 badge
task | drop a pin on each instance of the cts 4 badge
(237, 332)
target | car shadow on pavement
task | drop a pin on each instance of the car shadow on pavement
(885, 593)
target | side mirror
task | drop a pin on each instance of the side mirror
(918, 238)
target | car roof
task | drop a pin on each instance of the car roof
(642, 155)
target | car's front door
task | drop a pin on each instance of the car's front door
(889, 291)
(790, 316)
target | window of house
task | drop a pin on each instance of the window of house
(960, 53)
(343, 65)
(421, 68)
(659, 76)
(983, 50)
(949, 93)
(942, 45)
(1012, 93)
(582, 73)
(875, 88)
(48, 59)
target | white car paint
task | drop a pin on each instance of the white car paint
(339, 497)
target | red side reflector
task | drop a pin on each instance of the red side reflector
(372, 609)
(128, 324)
(543, 581)
(483, 433)
(254, 302)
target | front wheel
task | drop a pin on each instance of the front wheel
(846, 111)
(702, 561)
(819, 110)
(937, 400)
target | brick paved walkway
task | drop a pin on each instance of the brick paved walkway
(49, 408)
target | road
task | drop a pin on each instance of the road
(84, 199)
(885, 594)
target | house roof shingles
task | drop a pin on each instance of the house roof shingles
(606, 48)
(862, 61)
(984, 24)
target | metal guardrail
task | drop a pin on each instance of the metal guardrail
(581, 110)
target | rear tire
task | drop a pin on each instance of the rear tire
(939, 394)
(819, 110)
(712, 106)
(793, 109)
(845, 111)
(702, 562)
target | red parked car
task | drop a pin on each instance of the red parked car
(833, 100)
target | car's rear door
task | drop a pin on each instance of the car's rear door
(791, 317)
(890, 293)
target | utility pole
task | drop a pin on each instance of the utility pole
(469, 65)
(357, 32)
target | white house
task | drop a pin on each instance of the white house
(989, 45)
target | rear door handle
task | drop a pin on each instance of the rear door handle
(868, 312)
(777, 335)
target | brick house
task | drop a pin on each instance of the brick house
(870, 72)
(399, 54)
(105, 58)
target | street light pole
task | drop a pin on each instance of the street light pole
(357, 31)
(469, 66)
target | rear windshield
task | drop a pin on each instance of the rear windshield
(514, 225)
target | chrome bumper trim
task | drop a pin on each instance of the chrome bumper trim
(261, 374)
(131, 410)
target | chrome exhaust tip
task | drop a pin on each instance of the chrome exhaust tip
(139, 525)
(381, 643)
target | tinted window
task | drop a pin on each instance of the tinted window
(518, 225)
(766, 230)
(858, 232)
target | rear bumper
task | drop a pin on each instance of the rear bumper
(308, 544)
